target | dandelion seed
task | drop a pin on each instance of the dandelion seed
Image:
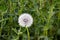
(25, 19)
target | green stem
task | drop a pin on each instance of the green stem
(1, 25)
(28, 33)
(45, 31)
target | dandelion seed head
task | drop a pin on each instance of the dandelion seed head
(25, 19)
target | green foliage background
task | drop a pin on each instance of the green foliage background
(46, 15)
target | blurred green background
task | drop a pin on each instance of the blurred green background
(46, 15)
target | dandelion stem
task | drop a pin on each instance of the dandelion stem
(28, 33)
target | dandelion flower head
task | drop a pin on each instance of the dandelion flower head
(25, 19)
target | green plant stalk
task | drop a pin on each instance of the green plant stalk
(50, 16)
(28, 33)
(1, 25)
(48, 20)
(45, 31)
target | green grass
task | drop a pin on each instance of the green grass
(46, 15)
